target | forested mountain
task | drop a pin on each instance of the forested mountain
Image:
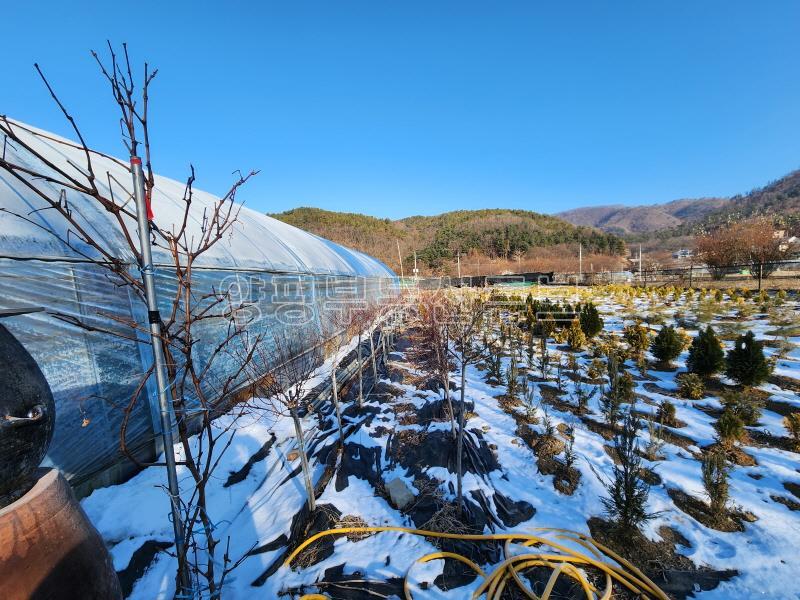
(491, 234)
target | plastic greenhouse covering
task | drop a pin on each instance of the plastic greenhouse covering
(290, 278)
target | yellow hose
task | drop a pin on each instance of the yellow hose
(564, 561)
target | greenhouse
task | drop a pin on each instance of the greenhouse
(288, 278)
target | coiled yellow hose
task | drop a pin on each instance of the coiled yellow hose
(563, 561)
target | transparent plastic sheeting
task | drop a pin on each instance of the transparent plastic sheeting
(93, 374)
(256, 241)
(288, 277)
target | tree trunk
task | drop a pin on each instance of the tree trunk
(760, 275)
(301, 445)
(372, 355)
(360, 375)
(446, 382)
(335, 388)
(460, 441)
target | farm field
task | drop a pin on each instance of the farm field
(590, 424)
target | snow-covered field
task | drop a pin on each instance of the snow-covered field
(398, 433)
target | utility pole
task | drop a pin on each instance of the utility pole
(416, 271)
(458, 258)
(162, 383)
(400, 256)
(640, 261)
(580, 263)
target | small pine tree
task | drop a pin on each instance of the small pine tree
(590, 320)
(744, 405)
(570, 456)
(656, 443)
(667, 344)
(596, 369)
(706, 356)
(637, 336)
(512, 379)
(746, 363)
(619, 391)
(691, 386)
(716, 469)
(547, 423)
(667, 413)
(575, 336)
(543, 359)
(561, 366)
(729, 428)
(530, 349)
(546, 326)
(581, 393)
(628, 492)
(494, 363)
(529, 399)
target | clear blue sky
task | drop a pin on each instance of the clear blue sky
(403, 107)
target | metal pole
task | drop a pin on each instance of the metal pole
(580, 262)
(459, 267)
(164, 400)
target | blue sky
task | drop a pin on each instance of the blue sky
(401, 108)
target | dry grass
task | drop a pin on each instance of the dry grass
(353, 521)
(447, 519)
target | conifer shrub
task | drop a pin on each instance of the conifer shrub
(716, 469)
(618, 392)
(637, 337)
(744, 405)
(746, 363)
(691, 386)
(706, 355)
(494, 366)
(627, 490)
(596, 369)
(512, 379)
(730, 428)
(576, 338)
(590, 320)
(666, 413)
(667, 345)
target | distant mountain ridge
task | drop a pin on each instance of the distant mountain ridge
(779, 199)
(622, 220)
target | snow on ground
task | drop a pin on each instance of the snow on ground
(260, 508)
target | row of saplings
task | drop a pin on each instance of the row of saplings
(745, 364)
(628, 488)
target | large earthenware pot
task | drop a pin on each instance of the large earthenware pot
(50, 550)
(27, 415)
